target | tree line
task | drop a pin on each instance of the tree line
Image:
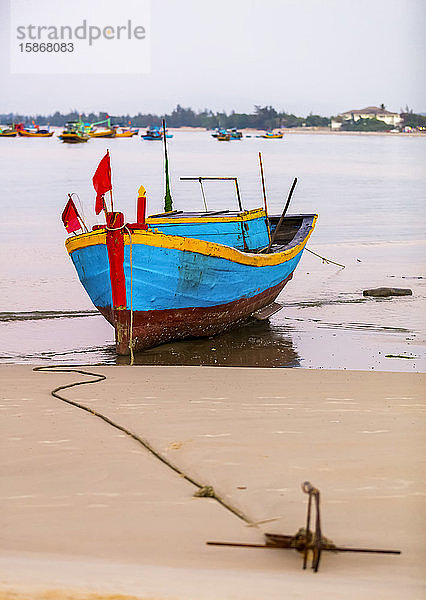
(263, 117)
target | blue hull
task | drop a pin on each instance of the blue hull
(167, 278)
(167, 287)
(156, 137)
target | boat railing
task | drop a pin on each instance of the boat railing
(201, 179)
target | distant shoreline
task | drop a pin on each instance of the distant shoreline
(291, 130)
(327, 131)
(306, 130)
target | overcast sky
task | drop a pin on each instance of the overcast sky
(320, 56)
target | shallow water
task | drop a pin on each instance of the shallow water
(369, 192)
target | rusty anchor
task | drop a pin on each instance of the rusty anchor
(307, 542)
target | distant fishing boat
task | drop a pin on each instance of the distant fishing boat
(218, 131)
(33, 132)
(154, 133)
(8, 132)
(182, 274)
(74, 133)
(235, 134)
(106, 131)
(102, 133)
(221, 134)
(124, 132)
(272, 136)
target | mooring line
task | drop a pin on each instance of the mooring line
(204, 489)
(324, 259)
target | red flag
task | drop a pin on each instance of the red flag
(102, 182)
(70, 217)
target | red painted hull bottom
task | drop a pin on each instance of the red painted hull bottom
(155, 327)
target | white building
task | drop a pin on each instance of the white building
(370, 112)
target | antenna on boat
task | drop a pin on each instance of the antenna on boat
(264, 196)
(110, 191)
(168, 203)
(201, 179)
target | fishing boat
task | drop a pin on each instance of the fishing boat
(74, 133)
(8, 132)
(157, 287)
(270, 135)
(124, 132)
(154, 133)
(34, 132)
(106, 131)
(221, 134)
(235, 134)
(183, 274)
(102, 133)
(219, 131)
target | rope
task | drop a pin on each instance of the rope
(98, 377)
(80, 205)
(115, 228)
(327, 260)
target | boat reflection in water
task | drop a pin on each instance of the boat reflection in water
(257, 344)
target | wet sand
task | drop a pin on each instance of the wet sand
(88, 513)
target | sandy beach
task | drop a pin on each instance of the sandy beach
(325, 131)
(328, 130)
(88, 513)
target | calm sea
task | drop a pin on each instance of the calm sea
(369, 192)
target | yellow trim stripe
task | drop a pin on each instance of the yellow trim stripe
(184, 244)
(84, 240)
(245, 216)
(29, 134)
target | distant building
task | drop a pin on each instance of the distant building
(370, 112)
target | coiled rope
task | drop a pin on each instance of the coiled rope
(203, 489)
